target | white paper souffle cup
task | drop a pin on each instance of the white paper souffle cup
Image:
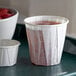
(46, 42)
(8, 52)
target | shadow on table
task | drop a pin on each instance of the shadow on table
(30, 69)
(70, 45)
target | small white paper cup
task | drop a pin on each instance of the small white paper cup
(8, 52)
(8, 25)
(46, 41)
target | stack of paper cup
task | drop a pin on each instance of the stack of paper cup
(8, 52)
(46, 41)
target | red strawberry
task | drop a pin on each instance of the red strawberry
(0, 17)
(3, 10)
(6, 15)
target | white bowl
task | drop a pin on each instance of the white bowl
(8, 52)
(8, 25)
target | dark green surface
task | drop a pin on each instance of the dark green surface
(24, 67)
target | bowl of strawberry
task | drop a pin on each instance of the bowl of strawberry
(8, 20)
(5, 13)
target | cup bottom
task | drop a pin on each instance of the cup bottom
(8, 65)
(45, 64)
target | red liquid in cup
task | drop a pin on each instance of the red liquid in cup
(45, 23)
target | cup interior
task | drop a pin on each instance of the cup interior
(12, 10)
(29, 22)
(59, 19)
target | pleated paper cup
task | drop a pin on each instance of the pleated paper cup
(8, 52)
(46, 41)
